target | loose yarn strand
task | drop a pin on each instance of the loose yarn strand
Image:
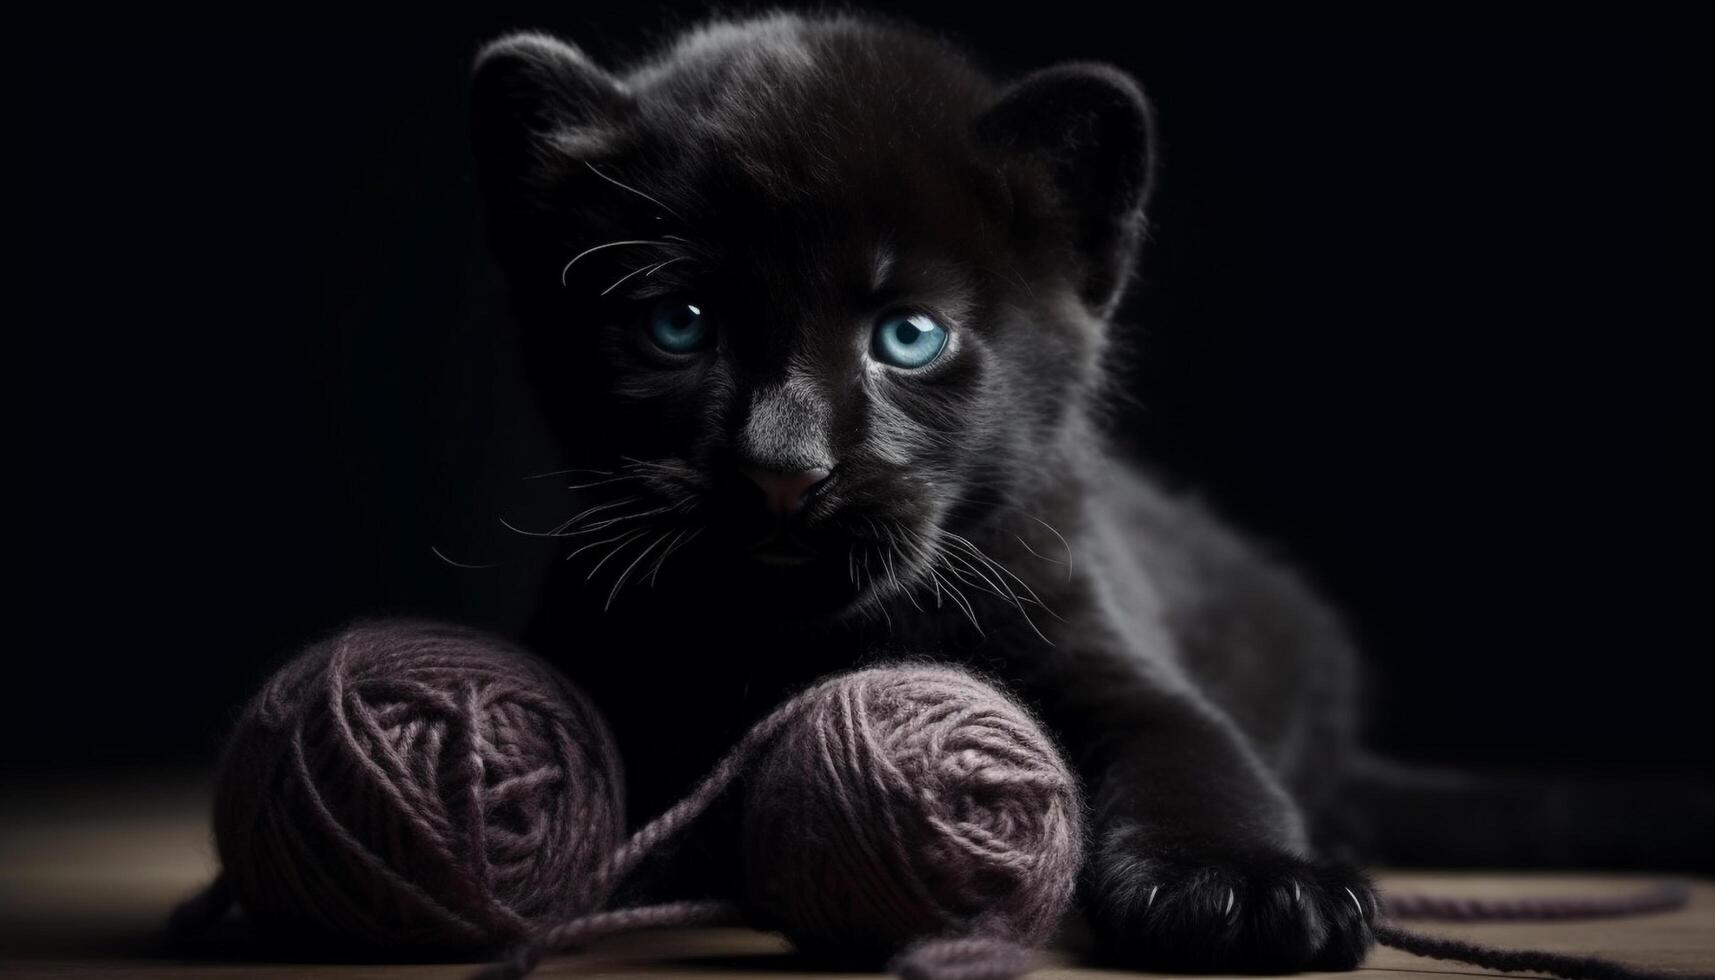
(1665, 896)
(861, 747)
(522, 959)
(965, 958)
(687, 810)
(1662, 897)
(1569, 966)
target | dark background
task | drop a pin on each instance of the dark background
(1415, 315)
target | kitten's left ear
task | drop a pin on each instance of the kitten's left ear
(1092, 129)
(536, 101)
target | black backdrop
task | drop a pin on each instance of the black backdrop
(1415, 315)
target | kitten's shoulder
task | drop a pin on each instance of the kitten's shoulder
(1196, 558)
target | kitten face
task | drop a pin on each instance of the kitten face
(787, 251)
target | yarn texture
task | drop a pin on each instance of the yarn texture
(905, 811)
(910, 802)
(414, 788)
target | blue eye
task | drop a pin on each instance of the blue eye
(909, 340)
(678, 327)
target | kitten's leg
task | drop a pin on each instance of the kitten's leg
(1198, 858)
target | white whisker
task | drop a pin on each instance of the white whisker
(594, 544)
(458, 564)
(540, 476)
(529, 534)
(1027, 547)
(609, 522)
(621, 280)
(621, 546)
(598, 508)
(620, 582)
(1009, 593)
(989, 560)
(678, 541)
(601, 483)
(958, 598)
(1063, 543)
(627, 187)
(596, 248)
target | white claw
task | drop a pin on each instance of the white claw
(1297, 893)
(1229, 908)
(1151, 901)
(1355, 903)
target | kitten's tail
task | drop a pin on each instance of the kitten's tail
(1406, 815)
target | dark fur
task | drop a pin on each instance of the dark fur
(1204, 694)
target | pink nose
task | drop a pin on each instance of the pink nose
(784, 492)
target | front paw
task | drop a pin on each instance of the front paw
(1200, 911)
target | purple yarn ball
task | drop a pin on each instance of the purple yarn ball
(910, 802)
(411, 788)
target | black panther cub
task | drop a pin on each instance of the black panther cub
(820, 311)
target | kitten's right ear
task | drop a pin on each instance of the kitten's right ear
(536, 104)
(1093, 133)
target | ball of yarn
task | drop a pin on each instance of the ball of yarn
(910, 802)
(416, 789)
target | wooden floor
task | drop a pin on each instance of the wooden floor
(87, 875)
